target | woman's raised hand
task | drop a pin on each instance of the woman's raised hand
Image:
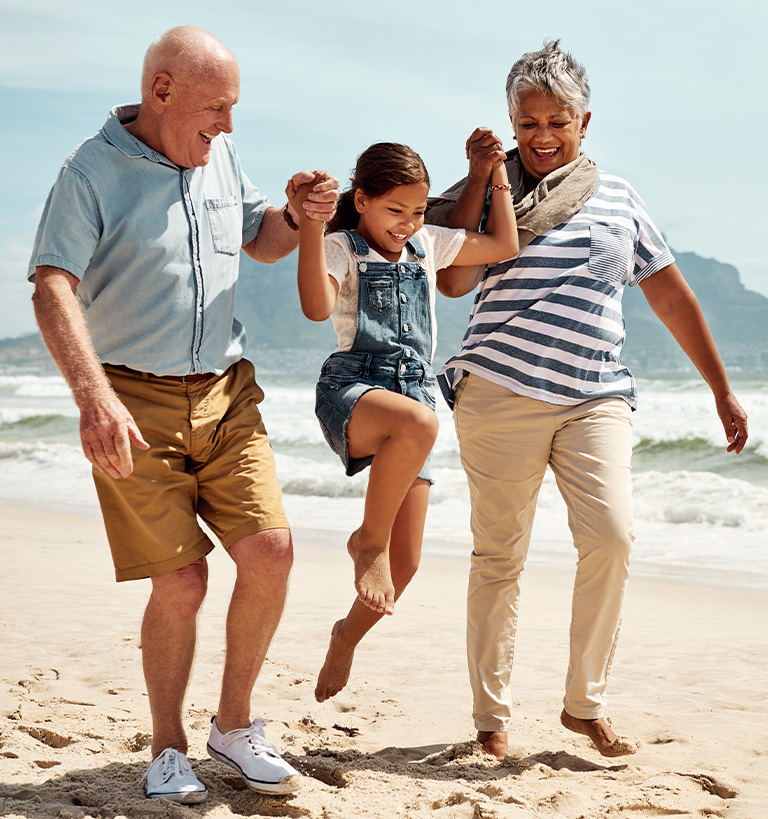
(484, 152)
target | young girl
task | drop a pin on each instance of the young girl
(374, 274)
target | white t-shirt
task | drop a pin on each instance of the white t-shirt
(441, 246)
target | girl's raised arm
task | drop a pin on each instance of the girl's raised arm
(486, 157)
(317, 288)
(500, 240)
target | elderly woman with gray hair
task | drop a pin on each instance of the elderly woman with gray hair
(539, 381)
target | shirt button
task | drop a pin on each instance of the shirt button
(403, 298)
(402, 268)
(405, 328)
(402, 368)
(407, 353)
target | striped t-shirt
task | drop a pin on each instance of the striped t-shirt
(548, 324)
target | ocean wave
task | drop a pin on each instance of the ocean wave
(700, 497)
(696, 454)
(57, 472)
(29, 422)
(678, 385)
(51, 386)
(306, 476)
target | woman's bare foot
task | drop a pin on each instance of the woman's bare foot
(495, 743)
(600, 732)
(334, 674)
(373, 580)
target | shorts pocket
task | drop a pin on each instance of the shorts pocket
(226, 224)
(611, 251)
(380, 294)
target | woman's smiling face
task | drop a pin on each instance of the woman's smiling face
(548, 135)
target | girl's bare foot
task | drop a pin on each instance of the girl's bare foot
(334, 674)
(600, 732)
(373, 580)
(495, 743)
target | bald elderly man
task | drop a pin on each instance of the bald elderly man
(135, 266)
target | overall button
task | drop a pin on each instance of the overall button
(363, 267)
(406, 328)
(402, 368)
(403, 298)
(407, 353)
(402, 268)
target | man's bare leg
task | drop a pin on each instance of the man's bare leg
(600, 732)
(404, 554)
(399, 432)
(263, 564)
(168, 635)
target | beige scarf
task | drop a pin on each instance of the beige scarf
(554, 199)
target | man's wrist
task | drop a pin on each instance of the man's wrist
(290, 220)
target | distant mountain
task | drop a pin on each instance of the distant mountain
(281, 338)
(269, 308)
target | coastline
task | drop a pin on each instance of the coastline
(690, 682)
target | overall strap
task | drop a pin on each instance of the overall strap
(414, 245)
(359, 245)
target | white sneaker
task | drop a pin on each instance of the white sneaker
(170, 777)
(252, 755)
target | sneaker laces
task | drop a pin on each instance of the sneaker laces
(171, 763)
(254, 734)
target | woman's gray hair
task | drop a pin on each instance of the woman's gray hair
(553, 71)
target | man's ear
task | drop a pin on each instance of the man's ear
(161, 91)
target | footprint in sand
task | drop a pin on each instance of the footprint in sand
(47, 737)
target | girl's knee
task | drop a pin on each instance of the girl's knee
(422, 425)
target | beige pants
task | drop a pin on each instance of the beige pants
(506, 443)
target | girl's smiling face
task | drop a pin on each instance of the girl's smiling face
(388, 221)
(548, 135)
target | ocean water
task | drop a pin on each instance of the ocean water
(700, 512)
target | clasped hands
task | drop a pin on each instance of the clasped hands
(312, 194)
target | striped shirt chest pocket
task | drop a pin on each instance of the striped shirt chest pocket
(611, 251)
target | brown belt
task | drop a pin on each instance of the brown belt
(192, 378)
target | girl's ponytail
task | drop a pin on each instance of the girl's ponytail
(346, 216)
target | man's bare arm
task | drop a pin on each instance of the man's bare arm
(106, 427)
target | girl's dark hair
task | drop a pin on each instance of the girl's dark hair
(379, 168)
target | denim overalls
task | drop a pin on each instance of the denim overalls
(392, 348)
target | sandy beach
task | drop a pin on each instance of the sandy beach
(690, 683)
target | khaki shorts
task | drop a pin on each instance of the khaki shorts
(208, 456)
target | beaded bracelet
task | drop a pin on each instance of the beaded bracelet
(500, 188)
(288, 218)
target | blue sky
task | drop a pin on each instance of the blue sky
(678, 99)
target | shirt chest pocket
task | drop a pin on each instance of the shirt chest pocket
(226, 224)
(611, 252)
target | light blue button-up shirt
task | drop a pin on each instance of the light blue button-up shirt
(156, 248)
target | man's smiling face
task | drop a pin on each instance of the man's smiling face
(196, 112)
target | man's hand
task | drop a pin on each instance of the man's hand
(106, 426)
(319, 203)
(107, 430)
